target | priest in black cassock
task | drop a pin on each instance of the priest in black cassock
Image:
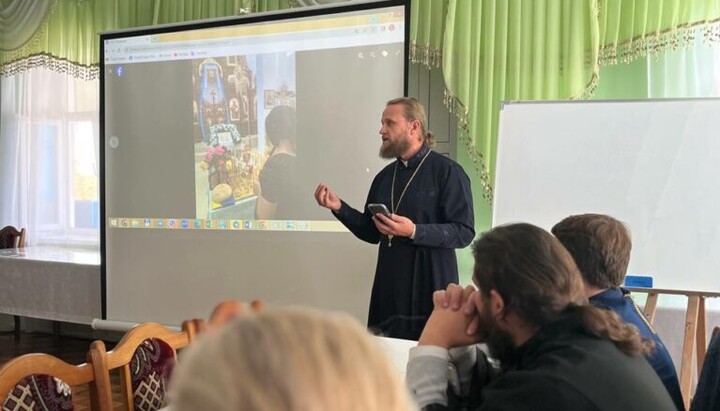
(431, 208)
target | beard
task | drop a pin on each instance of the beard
(396, 148)
(499, 342)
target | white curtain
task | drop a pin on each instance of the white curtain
(49, 157)
(686, 72)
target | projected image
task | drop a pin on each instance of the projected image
(230, 95)
(224, 94)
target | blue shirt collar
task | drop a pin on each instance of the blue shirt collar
(609, 296)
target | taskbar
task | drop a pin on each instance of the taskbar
(234, 225)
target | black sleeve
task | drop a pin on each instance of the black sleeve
(518, 391)
(530, 391)
(457, 228)
(360, 224)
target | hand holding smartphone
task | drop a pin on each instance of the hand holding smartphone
(376, 208)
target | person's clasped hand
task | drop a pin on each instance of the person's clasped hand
(454, 319)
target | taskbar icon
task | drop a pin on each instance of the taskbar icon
(208, 224)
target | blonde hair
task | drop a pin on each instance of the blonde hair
(288, 359)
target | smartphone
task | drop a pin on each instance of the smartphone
(379, 209)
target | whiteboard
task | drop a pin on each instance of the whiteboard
(654, 164)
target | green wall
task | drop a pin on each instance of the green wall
(623, 81)
(483, 213)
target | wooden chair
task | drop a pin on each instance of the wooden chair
(144, 357)
(224, 312)
(10, 237)
(194, 327)
(45, 380)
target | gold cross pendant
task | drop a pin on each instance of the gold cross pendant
(390, 237)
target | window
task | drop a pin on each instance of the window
(83, 176)
(50, 141)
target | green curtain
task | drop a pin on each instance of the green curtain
(19, 20)
(684, 73)
(489, 50)
(630, 29)
(511, 50)
(427, 28)
(497, 50)
(176, 11)
(67, 41)
(272, 5)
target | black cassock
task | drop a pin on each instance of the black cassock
(439, 201)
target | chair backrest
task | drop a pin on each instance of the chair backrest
(144, 357)
(41, 381)
(194, 327)
(10, 237)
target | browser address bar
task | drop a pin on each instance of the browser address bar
(239, 41)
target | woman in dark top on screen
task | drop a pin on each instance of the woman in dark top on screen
(277, 177)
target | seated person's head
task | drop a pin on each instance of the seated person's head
(287, 359)
(228, 310)
(526, 280)
(225, 312)
(600, 246)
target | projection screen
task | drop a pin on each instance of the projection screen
(215, 135)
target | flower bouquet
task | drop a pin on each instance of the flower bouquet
(218, 162)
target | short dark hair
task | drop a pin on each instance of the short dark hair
(280, 124)
(600, 246)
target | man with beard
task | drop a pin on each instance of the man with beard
(555, 351)
(430, 215)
